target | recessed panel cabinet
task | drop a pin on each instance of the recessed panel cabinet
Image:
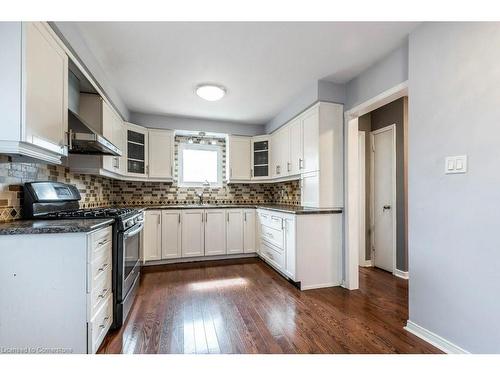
(193, 233)
(152, 236)
(34, 97)
(215, 232)
(249, 235)
(171, 234)
(234, 231)
(239, 157)
(161, 144)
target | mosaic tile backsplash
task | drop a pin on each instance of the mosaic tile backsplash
(101, 192)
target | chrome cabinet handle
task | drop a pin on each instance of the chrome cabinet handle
(103, 293)
(179, 218)
(104, 322)
(103, 267)
(288, 166)
(102, 243)
(301, 163)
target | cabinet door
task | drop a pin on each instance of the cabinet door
(296, 150)
(112, 127)
(160, 153)
(310, 126)
(46, 89)
(260, 157)
(275, 155)
(137, 150)
(290, 256)
(171, 234)
(249, 231)
(193, 234)
(215, 232)
(239, 158)
(284, 140)
(234, 231)
(152, 235)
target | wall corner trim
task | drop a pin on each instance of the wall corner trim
(433, 339)
(401, 274)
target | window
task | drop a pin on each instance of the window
(199, 164)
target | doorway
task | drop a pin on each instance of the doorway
(360, 234)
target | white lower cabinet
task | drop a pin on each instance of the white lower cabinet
(193, 233)
(304, 248)
(186, 233)
(234, 231)
(249, 234)
(215, 232)
(171, 234)
(61, 302)
(152, 236)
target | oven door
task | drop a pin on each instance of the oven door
(131, 255)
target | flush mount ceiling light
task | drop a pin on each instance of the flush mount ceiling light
(210, 92)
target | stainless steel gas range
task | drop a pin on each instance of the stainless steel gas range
(55, 200)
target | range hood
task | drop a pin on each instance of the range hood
(82, 137)
(85, 140)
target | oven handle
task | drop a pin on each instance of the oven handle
(132, 232)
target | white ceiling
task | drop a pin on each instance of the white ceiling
(155, 66)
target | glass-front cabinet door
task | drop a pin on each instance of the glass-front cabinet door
(260, 157)
(137, 150)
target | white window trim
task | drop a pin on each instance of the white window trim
(197, 146)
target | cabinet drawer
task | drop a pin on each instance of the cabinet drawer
(272, 235)
(270, 219)
(98, 268)
(100, 291)
(100, 242)
(275, 257)
(99, 325)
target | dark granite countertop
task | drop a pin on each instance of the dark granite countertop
(290, 209)
(53, 226)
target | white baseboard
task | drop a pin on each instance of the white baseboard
(401, 274)
(366, 263)
(434, 339)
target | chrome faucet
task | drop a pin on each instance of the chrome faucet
(200, 196)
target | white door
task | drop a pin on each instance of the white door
(310, 131)
(152, 235)
(296, 147)
(193, 233)
(234, 231)
(171, 234)
(249, 231)
(160, 148)
(215, 232)
(383, 197)
(240, 158)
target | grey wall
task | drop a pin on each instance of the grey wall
(70, 34)
(195, 124)
(389, 114)
(388, 72)
(454, 76)
(319, 90)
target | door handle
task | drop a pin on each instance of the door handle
(386, 207)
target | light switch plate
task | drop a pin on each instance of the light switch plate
(455, 164)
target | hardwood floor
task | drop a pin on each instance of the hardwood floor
(246, 307)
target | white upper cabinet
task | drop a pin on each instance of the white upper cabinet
(234, 231)
(239, 158)
(161, 144)
(260, 157)
(280, 149)
(311, 147)
(215, 232)
(137, 150)
(296, 147)
(34, 97)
